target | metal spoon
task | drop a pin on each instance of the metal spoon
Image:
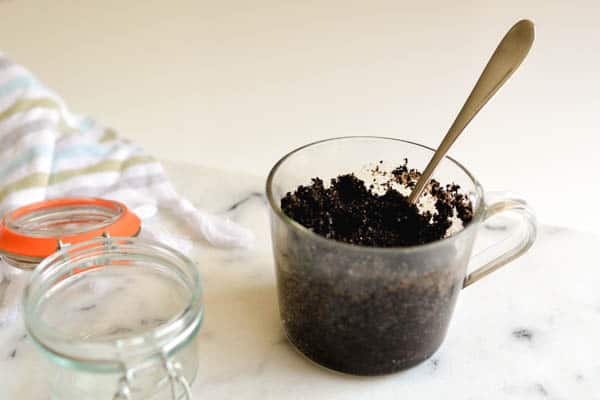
(509, 54)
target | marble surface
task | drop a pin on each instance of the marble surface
(528, 331)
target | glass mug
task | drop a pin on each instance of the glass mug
(367, 310)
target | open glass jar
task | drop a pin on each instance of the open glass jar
(118, 316)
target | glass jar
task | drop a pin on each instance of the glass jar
(368, 310)
(117, 317)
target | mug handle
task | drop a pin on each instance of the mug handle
(521, 240)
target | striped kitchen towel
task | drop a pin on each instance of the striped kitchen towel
(47, 152)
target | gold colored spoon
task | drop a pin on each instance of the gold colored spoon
(509, 54)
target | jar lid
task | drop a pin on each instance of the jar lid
(33, 232)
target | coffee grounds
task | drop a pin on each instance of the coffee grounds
(351, 212)
(360, 311)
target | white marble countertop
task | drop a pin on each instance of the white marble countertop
(529, 331)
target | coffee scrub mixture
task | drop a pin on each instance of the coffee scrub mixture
(369, 312)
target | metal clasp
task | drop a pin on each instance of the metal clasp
(176, 377)
(108, 242)
(124, 390)
(174, 374)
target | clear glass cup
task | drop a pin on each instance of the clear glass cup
(366, 310)
(118, 318)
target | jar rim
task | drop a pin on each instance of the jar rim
(110, 354)
(479, 208)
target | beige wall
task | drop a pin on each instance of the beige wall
(238, 83)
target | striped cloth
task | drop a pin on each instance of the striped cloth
(47, 152)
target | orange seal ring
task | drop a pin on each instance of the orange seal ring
(36, 230)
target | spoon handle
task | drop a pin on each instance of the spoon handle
(509, 54)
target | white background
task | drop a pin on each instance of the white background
(236, 84)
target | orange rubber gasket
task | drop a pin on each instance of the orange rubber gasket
(127, 224)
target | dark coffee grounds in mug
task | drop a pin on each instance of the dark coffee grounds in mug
(351, 212)
(361, 312)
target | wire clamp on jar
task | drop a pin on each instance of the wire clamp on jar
(174, 374)
(124, 391)
(174, 370)
(108, 241)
